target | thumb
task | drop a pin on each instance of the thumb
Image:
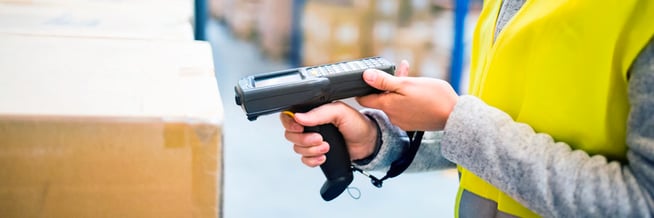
(328, 113)
(381, 80)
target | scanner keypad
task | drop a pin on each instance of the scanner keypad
(347, 66)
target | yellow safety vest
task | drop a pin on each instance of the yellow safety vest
(561, 67)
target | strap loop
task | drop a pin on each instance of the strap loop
(400, 165)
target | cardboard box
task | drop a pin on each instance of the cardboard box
(241, 17)
(217, 8)
(335, 32)
(108, 128)
(95, 20)
(274, 27)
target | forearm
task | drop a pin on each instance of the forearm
(394, 142)
(546, 176)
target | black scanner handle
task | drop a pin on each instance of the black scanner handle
(336, 168)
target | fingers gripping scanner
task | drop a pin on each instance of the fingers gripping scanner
(305, 88)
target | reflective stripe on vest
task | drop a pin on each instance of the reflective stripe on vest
(560, 66)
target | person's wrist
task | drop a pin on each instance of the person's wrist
(450, 109)
(373, 146)
(444, 108)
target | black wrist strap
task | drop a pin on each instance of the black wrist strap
(400, 165)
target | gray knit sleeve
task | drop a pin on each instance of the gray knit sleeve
(394, 142)
(549, 177)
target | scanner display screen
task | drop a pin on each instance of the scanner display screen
(281, 79)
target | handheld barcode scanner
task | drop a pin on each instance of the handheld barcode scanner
(305, 88)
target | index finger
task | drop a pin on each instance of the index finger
(403, 69)
(289, 123)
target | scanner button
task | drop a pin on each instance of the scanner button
(345, 67)
(353, 66)
(359, 65)
(340, 67)
(330, 69)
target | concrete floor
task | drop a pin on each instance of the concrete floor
(263, 177)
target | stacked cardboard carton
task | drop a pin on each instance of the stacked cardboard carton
(102, 117)
(335, 32)
(418, 39)
(274, 27)
(217, 8)
(264, 22)
(241, 17)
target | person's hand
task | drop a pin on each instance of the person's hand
(410, 103)
(359, 132)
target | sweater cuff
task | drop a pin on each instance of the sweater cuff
(392, 143)
(378, 143)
